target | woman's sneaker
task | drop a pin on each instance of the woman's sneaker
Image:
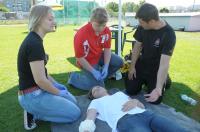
(29, 122)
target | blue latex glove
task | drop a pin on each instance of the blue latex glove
(96, 74)
(63, 93)
(104, 72)
(59, 86)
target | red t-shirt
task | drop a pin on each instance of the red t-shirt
(90, 46)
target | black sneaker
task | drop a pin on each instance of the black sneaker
(29, 122)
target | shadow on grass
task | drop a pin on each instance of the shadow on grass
(72, 60)
(11, 115)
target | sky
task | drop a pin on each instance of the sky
(158, 3)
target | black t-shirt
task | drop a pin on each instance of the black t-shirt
(154, 43)
(30, 50)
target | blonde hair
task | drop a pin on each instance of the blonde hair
(38, 12)
(99, 15)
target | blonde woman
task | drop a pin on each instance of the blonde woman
(39, 94)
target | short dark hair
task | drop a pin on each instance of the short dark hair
(90, 96)
(147, 12)
(100, 15)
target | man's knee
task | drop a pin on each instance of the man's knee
(132, 91)
(120, 62)
(132, 87)
(158, 101)
(116, 61)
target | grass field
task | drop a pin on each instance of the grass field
(184, 71)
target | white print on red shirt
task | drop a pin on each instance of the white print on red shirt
(86, 47)
(104, 38)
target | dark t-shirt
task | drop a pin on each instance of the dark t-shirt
(154, 43)
(30, 50)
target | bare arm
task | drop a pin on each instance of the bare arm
(51, 79)
(107, 55)
(91, 114)
(161, 78)
(85, 64)
(162, 72)
(135, 55)
(38, 71)
(88, 125)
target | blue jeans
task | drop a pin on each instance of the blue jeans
(49, 107)
(85, 80)
(147, 122)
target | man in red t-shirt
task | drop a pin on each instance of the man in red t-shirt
(92, 44)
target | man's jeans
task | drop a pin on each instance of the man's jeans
(49, 107)
(85, 80)
(147, 122)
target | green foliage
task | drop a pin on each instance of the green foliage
(3, 8)
(164, 10)
(128, 7)
(112, 9)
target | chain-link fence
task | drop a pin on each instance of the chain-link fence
(75, 11)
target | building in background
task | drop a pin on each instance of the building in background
(17, 5)
(179, 21)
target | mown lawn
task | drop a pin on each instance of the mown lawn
(184, 71)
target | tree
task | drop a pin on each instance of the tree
(113, 6)
(3, 8)
(138, 5)
(164, 10)
(112, 9)
(128, 7)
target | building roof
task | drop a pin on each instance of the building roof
(168, 14)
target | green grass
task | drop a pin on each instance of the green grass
(184, 71)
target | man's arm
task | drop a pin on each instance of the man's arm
(161, 78)
(107, 56)
(135, 55)
(162, 71)
(85, 64)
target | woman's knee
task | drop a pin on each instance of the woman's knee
(76, 114)
(73, 115)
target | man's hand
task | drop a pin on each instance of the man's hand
(154, 95)
(104, 72)
(96, 74)
(132, 71)
(131, 104)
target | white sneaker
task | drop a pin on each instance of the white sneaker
(29, 122)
